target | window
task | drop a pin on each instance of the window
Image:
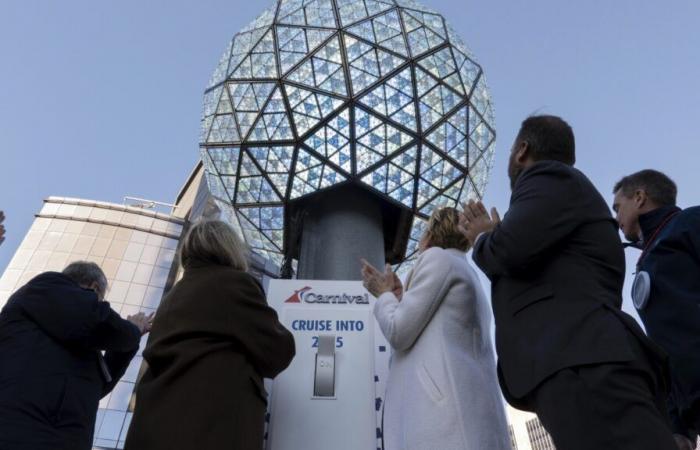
(539, 438)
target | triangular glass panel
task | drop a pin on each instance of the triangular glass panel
(289, 8)
(264, 65)
(269, 161)
(424, 82)
(211, 101)
(206, 160)
(351, 11)
(433, 21)
(205, 127)
(426, 192)
(248, 167)
(295, 43)
(223, 129)
(375, 139)
(248, 99)
(394, 99)
(366, 157)
(420, 38)
(229, 183)
(253, 216)
(272, 221)
(368, 64)
(383, 30)
(225, 159)
(309, 107)
(436, 170)
(396, 177)
(377, 6)
(363, 30)
(259, 241)
(243, 43)
(311, 175)
(272, 127)
(469, 70)
(451, 136)
(255, 190)
(479, 173)
(481, 100)
(481, 137)
(244, 69)
(449, 197)
(330, 177)
(216, 187)
(436, 103)
(377, 178)
(261, 62)
(275, 163)
(316, 13)
(468, 192)
(333, 141)
(440, 64)
(323, 70)
(364, 65)
(224, 103)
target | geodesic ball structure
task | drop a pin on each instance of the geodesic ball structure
(315, 93)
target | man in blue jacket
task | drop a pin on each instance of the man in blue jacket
(52, 370)
(666, 291)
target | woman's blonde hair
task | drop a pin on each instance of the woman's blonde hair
(443, 230)
(215, 242)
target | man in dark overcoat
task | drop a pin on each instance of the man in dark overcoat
(666, 291)
(53, 331)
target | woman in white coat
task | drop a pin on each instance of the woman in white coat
(442, 391)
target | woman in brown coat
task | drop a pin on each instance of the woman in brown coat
(213, 341)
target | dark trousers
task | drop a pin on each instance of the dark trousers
(611, 406)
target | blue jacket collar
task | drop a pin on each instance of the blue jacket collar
(650, 221)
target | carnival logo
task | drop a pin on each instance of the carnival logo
(304, 295)
(298, 295)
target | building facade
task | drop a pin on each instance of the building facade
(527, 432)
(135, 248)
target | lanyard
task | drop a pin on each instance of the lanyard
(653, 236)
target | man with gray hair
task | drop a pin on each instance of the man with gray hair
(53, 331)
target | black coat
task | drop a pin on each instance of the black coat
(556, 265)
(672, 314)
(51, 332)
(213, 340)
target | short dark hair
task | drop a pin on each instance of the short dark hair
(548, 138)
(658, 186)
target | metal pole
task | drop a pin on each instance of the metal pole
(339, 228)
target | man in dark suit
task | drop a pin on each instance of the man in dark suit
(52, 371)
(556, 264)
(666, 291)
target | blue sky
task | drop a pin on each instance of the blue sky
(102, 99)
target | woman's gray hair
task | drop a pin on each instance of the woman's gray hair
(215, 242)
(85, 273)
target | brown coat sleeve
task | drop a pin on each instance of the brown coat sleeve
(255, 325)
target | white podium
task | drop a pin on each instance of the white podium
(330, 396)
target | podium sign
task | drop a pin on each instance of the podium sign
(330, 395)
